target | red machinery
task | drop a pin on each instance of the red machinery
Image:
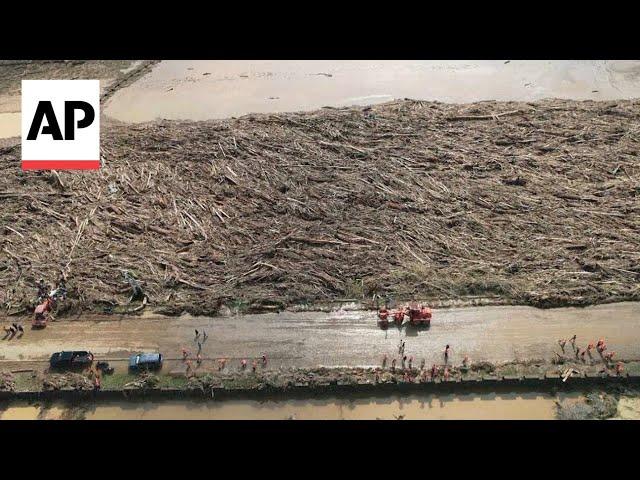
(42, 313)
(398, 316)
(383, 317)
(420, 316)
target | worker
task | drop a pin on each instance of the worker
(404, 359)
(562, 342)
(42, 290)
(589, 348)
(410, 362)
(619, 368)
(243, 363)
(264, 360)
(446, 353)
(384, 360)
(393, 365)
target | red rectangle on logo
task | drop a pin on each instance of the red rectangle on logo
(60, 164)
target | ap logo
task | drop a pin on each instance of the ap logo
(60, 124)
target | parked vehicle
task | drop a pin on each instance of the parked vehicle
(68, 360)
(145, 361)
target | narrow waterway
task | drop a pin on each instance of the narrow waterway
(472, 406)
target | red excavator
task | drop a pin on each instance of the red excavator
(418, 316)
(41, 314)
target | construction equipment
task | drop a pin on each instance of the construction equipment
(42, 311)
(383, 317)
(418, 316)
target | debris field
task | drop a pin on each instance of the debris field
(537, 203)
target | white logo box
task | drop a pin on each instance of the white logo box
(47, 153)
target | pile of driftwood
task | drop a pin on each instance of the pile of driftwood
(538, 203)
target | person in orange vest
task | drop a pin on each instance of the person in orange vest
(573, 341)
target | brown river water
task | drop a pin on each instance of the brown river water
(472, 406)
(208, 89)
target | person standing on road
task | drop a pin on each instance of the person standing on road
(447, 350)
(562, 342)
(573, 341)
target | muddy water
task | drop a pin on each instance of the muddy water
(204, 89)
(502, 406)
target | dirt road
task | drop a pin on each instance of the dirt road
(344, 338)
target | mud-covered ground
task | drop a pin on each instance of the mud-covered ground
(536, 203)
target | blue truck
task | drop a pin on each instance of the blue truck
(145, 361)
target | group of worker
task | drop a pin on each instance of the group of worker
(222, 362)
(45, 290)
(13, 330)
(407, 365)
(600, 347)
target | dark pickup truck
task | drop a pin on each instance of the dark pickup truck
(77, 359)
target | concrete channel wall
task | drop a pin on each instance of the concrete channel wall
(483, 384)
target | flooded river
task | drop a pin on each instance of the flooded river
(205, 89)
(483, 406)
(209, 89)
